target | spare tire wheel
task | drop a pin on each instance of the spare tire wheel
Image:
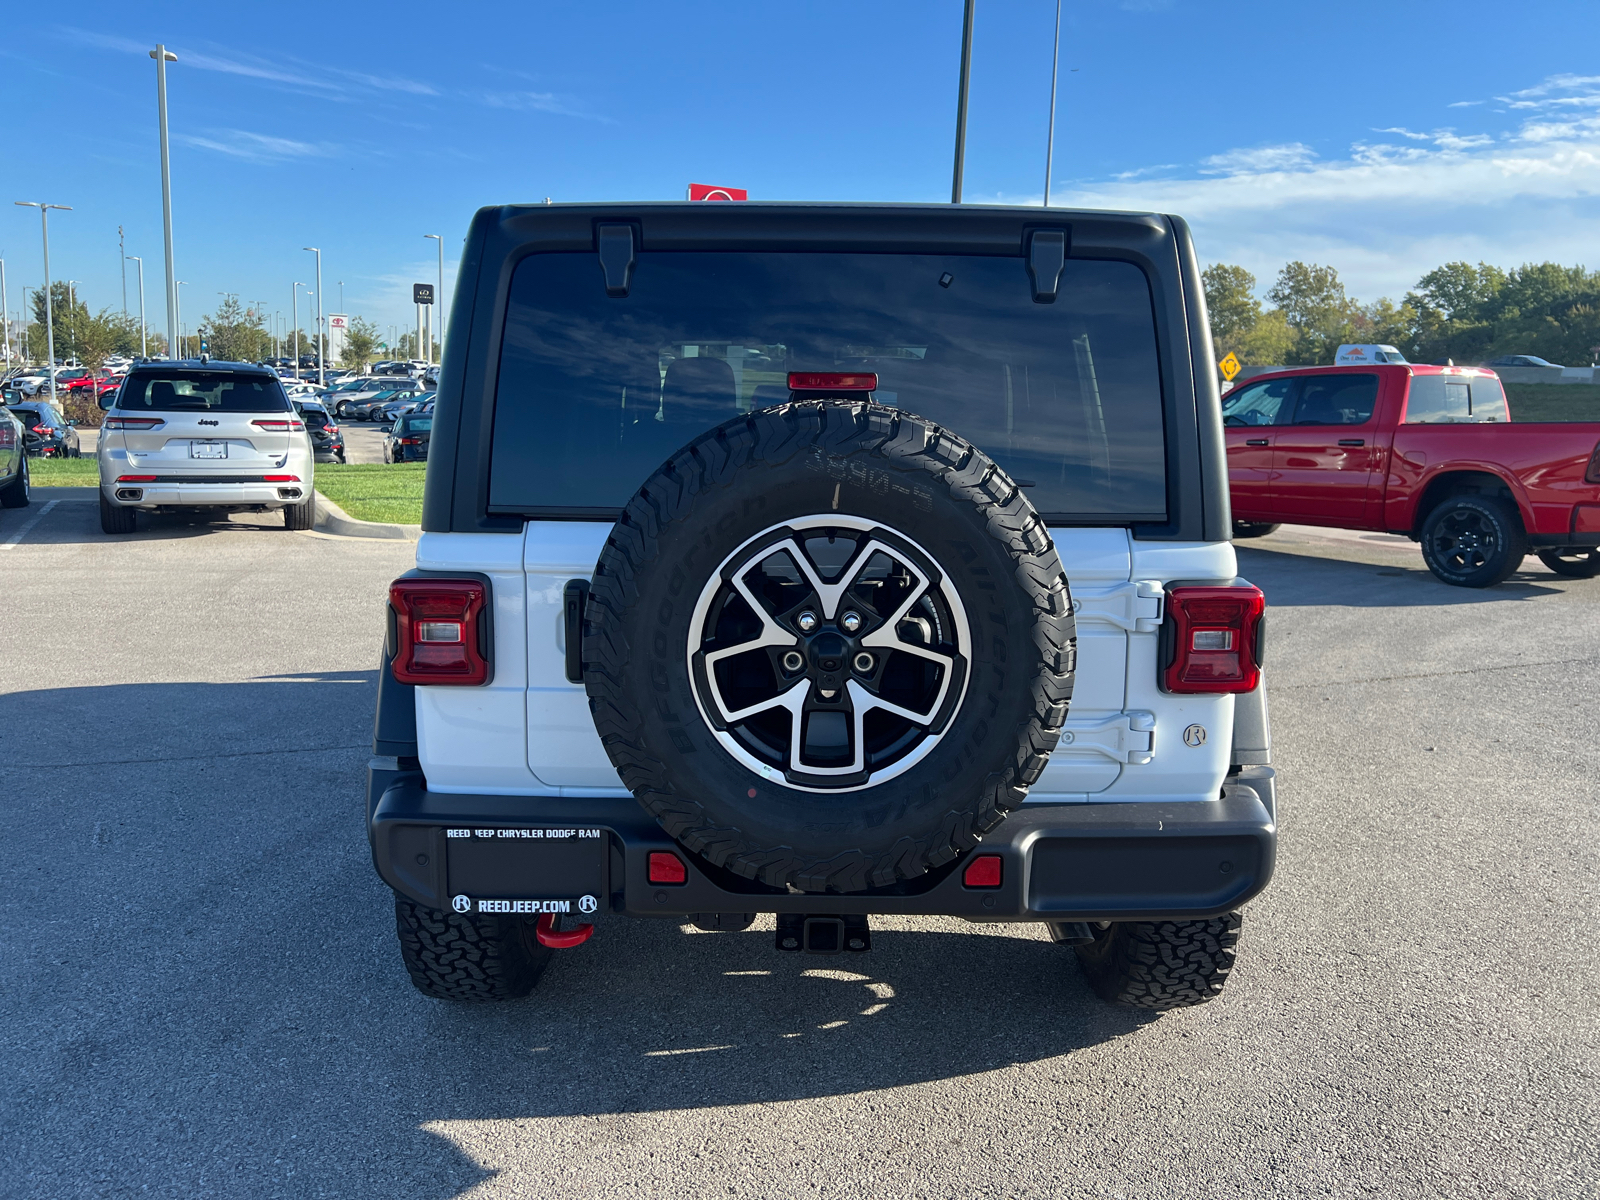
(829, 645)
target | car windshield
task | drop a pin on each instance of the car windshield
(220, 391)
(594, 392)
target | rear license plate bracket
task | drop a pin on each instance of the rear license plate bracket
(208, 449)
(542, 866)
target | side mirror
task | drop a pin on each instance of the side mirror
(72, 423)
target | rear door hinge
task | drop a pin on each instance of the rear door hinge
(1127, 737)
(1133, 607)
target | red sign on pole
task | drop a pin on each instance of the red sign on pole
(705, 191)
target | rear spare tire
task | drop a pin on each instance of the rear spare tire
(829, 645)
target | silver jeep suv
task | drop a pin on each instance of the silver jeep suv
(198, 434)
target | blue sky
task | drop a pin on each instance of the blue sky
(1381, 139)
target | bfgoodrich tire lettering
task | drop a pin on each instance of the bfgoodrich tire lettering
(875, 467)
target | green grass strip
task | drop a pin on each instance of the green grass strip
(375, 491)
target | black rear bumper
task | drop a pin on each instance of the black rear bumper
(1059, 862)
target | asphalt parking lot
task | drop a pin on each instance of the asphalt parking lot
(202, 997)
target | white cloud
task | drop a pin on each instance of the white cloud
(1386, 213)
(547, 102)
(257, 147)
(1262, 158)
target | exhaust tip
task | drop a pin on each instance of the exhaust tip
(130, 493)
(288, 493)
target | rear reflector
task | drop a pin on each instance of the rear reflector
(809, 381)
(983, 872)
(280, 479)
(441, 632)
(1213, 639)
(136, 478)
(667, 868)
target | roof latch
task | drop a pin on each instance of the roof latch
(1047, 258)
(616, 257)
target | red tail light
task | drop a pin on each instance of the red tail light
(279, 426)
(41, 429)
(135, 424)
(983, 872)
(810, 381)
(410, 442)
(441, 631)
(1213, 639)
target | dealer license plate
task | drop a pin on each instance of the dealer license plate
(208, 449)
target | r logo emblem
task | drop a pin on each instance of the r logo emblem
(587, 904)
(1194, 735)
(461, 904)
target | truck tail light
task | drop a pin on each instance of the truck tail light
(1213, 639)
(1592, 475)
(833, 381)
(441, 631)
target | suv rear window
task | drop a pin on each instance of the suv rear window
(221, 391)
(595, 392)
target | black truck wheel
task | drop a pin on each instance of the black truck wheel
(829, 645)
(450, 956)
(1160, 964)
(1252, 529)
(1575, 562)
(1473, 541)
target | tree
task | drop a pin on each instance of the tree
(1231, 304)
(1316, 307)
(360, 341)
(234, 334)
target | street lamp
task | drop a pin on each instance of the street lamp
(163, 56)
(177, 313)
(144, 350)
(322, 351)
(5, 311)
(438, 297)
(72, 316)
(294, 321)
(49, 320)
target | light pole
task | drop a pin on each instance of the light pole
(163, 56)
(49, 320)
(961, 104)
(438, 297)
(122, 253)
(5, 311)
(144, 349)
(177, 313)
(322, 350)
(72, 316)
(1050, 143)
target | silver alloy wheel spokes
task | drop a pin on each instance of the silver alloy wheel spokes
(813, 691)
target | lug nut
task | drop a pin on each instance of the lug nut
(807, 621)
(864, 663)
(850, 622)
(792, 661)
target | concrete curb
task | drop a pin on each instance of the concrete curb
(333, 519)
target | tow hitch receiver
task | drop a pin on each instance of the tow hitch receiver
(821, 934)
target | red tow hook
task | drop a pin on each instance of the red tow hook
(562, 939)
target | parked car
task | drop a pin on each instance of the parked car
(827, 644)
(326, 440)
(407, 439)
(217, 436)
(1521, 360)
(14, 480)
(1421, 450)
(46, 433)
(388, 412)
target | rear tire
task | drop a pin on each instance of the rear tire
(19, 492)
(1473, 541)
(1161, 965)
(302, 515)
(1252, 529)
(116, 520)
(1575, 562)
(454, 957)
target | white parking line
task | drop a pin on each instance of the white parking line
(28, 527)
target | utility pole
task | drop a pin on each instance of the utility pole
(122, 253)
(49, 319)
(322, 349)
(144, 349)
(177, 314)
(961, 104)
(5, 312)
(438, 297)
(1050, 143)
(163, 56)
(72, 317)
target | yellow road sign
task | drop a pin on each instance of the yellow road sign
(1229, 366)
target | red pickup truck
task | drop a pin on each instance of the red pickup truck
(1429, 452)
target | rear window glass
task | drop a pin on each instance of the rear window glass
(221, 391)
(1336, 399)
(1446, 400)
(594, 393)
(417, 424)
